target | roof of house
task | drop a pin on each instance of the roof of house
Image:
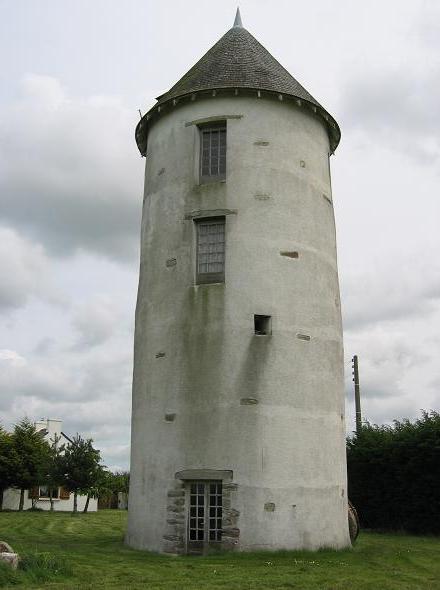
(239, 61)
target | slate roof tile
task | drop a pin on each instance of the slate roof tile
(238, 60)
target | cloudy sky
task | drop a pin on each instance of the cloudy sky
(72, 78)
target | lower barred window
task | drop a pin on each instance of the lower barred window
(210, 250)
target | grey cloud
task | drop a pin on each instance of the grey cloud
(397, 107)
(109, 377)
(23, 270)
(48, 383)
(91, 393)
(392, 291)
(44, 346)
(71, 177)
(425, 29)
(95, 322)
(58, 380)
(385, 411)
(107, 424)
(117, 456)
(397, 360)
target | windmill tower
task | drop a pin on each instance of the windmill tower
(238, 437)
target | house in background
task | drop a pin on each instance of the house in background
(38, 497)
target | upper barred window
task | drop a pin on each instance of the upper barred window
(213, 152)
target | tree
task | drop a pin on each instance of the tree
(80, 466)
(54, 467)
(31, 456)
(121, 481)
(8, 461)
(112, 484)
(100, 487)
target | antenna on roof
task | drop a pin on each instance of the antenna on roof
(237, 21)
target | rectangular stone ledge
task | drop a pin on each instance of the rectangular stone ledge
(204, 286)
(215, 185)
(212, 119)
(201, 213)
(208, 474)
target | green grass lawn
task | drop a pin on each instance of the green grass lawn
(87, 551)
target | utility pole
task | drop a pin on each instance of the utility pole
(357, 394)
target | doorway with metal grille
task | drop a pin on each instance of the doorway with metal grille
(204, 516)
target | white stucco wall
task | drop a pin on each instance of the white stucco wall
(52, 426)
(11, 501)
(289, 448)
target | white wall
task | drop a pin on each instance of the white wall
(289, 448)
(11, 501)
(53, 427)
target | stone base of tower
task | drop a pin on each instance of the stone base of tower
(202, 513)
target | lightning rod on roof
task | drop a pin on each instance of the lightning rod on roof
(237, 21)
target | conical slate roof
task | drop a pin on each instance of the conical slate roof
(238, 60)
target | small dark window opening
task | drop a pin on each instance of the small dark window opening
(213, 152)
(263, 325)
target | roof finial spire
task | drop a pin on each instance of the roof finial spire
(237, 21)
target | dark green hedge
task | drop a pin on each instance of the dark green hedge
(394, 475)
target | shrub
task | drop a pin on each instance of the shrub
(394, 475)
